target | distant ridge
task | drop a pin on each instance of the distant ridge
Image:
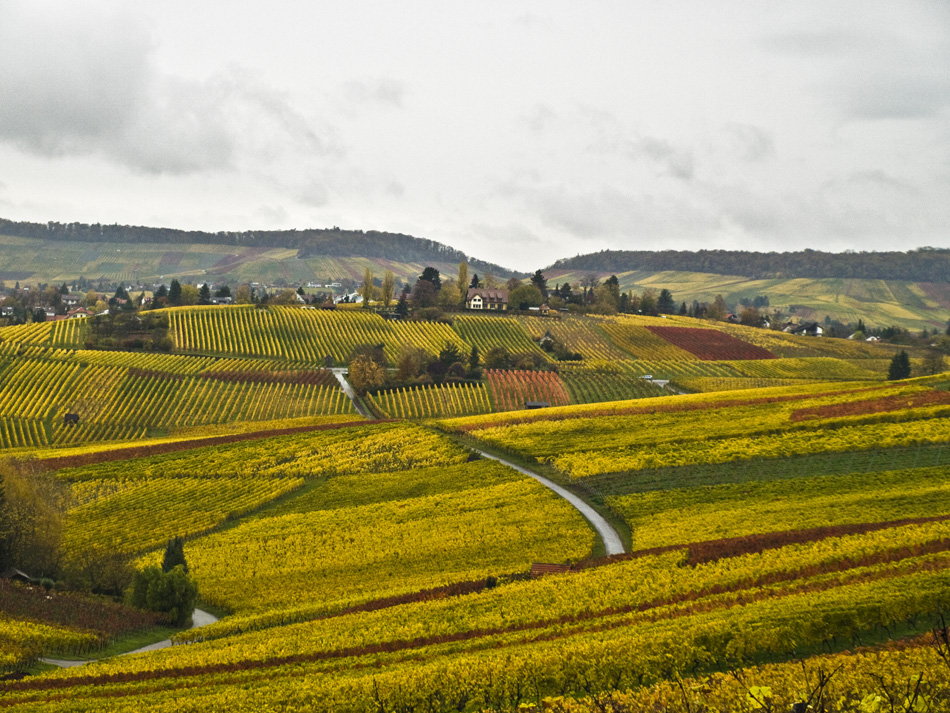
(921, 265)
(310, 242)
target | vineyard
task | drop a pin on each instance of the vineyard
(432, 401)
(249, 363)
(122, 396)
(386, 567)
(512, 390)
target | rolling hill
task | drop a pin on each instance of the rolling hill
(880, 303)
(55, 253)
(907, 289)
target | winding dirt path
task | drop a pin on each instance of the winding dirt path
(199, 618)
(613, 545)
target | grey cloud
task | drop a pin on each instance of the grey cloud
(667, 158)
(899, 93)
(540, 118)
(859, 210)
(607, 212)
(69, 82)
(890, 65)
(750, 143)
(312, 192)
(531, 21)
(502, 235)
(678, 163)
(82, 83)
(880, 179)
(272, 215)
(823, 43)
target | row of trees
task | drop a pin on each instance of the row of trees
(369, 369)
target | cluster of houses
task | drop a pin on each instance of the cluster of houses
(491, 299)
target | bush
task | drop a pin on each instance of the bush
(172, 594)
(497, 358)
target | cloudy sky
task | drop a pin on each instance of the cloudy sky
(519, 132)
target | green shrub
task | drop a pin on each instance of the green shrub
(171, 593)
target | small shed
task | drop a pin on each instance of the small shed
(536, 404)
(13, 574)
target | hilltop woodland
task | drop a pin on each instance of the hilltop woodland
(781, 502)
(922, 265)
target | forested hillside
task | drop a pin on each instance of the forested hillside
(922, 265)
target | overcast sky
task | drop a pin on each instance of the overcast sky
(518, 132)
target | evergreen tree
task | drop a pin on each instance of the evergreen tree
(174, 293)
(665, 303)
(539, 281)
(204, 294)
(478, 283)
(402, 306)
(450, 354)
(430, 274)
(900, 367)
(174, 555)
(474, 358)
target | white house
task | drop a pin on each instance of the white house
(484, 298)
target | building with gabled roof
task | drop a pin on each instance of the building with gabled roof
(487, 298)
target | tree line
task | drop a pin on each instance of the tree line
(920, 265)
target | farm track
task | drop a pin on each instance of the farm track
(348, 390)
(613, 545)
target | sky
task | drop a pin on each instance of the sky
(518, 132)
